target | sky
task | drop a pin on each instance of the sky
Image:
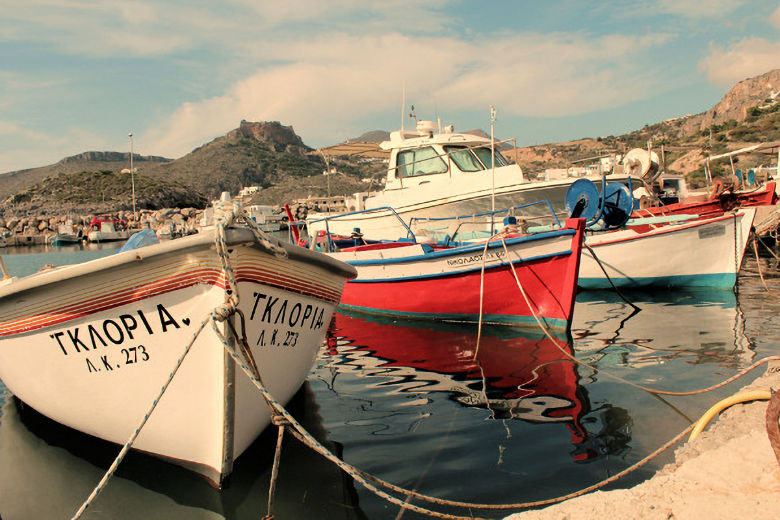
(79, 75)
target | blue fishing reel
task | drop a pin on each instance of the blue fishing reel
(611, 207)
(583, 200)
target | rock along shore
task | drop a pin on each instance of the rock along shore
(729, 471)
(34, 230)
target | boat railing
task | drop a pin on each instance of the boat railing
(487, 221)
(327, 236)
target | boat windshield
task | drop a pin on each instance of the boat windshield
(473, 159)
(420, 161)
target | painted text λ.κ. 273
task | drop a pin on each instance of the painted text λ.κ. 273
(291, 316)
(124, 330)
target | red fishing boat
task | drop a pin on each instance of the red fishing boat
(721, 198)
(512, 278)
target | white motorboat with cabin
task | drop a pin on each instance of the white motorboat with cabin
(435, 172)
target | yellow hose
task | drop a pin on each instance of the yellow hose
(725, 403)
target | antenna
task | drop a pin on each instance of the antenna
(403, 106)
(492, 165)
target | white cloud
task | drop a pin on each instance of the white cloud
(11, 130)
(107, 28)
(699, 9)
(747, 58)
(125, 28)
(774, 19)
(26, 148)
(336, 79)
(390, 14)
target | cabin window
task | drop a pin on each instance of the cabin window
(484, 155)
(473, 159)
(463, 158)
(420, 161)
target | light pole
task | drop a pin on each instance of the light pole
(132, 174)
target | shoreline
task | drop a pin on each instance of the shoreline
(34, 231)
(729, 471)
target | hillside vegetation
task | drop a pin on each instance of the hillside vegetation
(748, 114)
(94, 192)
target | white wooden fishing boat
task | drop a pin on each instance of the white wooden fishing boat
(679, 251)
(91, 345)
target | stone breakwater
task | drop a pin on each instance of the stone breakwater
(35, 230)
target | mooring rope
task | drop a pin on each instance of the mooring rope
(481, 295)
(367, 480)
(126, 448)
(770, 250)
(621, 379)
(758, 264)
(609, 279)
(309, 440)
(736, 252)
(284, 420)
(225, 214)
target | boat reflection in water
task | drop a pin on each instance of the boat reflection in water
(524, 421)
(694, 327)
(516, 373)
(47, 470)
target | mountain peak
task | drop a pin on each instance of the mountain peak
(745, 95)
(110, 157)
(272, 132)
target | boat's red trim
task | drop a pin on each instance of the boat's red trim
(56, 311)
(666, 229)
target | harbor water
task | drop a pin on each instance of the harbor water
(497, 416)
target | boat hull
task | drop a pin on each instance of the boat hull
(90, 346)
(449, 284)
(697, 253)
(63, 239)
(107, 236)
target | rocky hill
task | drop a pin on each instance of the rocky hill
(263, 154)
(13, 182)
(254, 154)
(742, 101)
(748, 114)
(271, 155)
(86, 193)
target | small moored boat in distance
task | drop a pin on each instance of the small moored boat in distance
(66, 235)
(106, 228)
(91, 345)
